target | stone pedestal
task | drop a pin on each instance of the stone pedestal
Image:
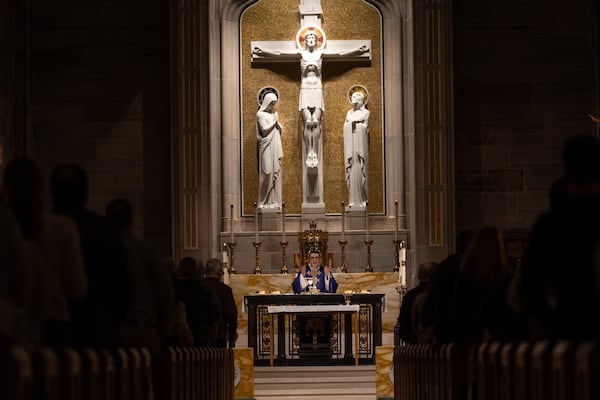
(312, 212)
(269, 219)
(244, 373)
(385, 372)
(355, 218)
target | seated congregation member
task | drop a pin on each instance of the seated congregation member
(213, 281)
(407, 329)
(437, 314)
(54, 241)
(559, 287)
(16, 285)
(98, 316)
(481, 310)
(322, 276)
(152, 293)
(202, 308)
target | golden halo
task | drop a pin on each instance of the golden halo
(301, 34)
(361, 89)
(263, 92)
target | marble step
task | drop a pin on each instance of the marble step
(312, 383)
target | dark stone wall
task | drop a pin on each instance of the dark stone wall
(100, 98)
(525, 79)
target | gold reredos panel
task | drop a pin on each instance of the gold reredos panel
(341, 20)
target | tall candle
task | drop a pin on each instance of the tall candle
(367, 219)
(255, 223)
(231, 223)
(402, 257)
(225, 256)
(225, 265)
(283, 222)
(396, 213)
(343, 219)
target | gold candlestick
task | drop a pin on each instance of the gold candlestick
(257, 270)
(343, 255)
(397, 254)
(369, 267)
(231, 266)
(284, 268)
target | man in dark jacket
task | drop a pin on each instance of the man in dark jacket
(227, 333)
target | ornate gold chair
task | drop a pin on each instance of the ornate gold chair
(313, 238)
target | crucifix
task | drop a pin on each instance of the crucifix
(311, 48)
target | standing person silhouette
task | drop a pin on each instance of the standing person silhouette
(97, 318)
(558, 290)
(152, 292)
(227, 332)
(202, 308)
(55, 239)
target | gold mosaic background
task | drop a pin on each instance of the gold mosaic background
(341, 20)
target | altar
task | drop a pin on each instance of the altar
(329, 330)
(267, 285)
(306, 322)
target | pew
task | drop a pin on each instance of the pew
(147, 387)
(485, 378)
(458, 373)
(106, 376)
(71, 386)
(507, 372)
(521, 372)
(46, 374)
(562, 371)
(587, 365)
(122, 374)
(90, 371)
(540, 370)
(18, 381)
(503, 371)
(136, 387)
(183, 373)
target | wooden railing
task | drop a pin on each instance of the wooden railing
(123, 374)
(498, 371)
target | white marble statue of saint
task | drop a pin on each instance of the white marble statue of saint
(356, 147)
(270, 150)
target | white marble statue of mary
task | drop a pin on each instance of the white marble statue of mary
(270, 150)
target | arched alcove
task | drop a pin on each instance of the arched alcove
(416, 127)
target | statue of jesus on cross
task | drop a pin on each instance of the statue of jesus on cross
(312, 48)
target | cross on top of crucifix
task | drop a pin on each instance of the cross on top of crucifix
(310, 17)
(311, 48)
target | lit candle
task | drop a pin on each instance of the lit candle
(283, 222)
(402, 257)
(367, 219)
(255, 223)
(396, 211)
(343, 220)
(231, 223)
(225, 265)
(225, 256)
